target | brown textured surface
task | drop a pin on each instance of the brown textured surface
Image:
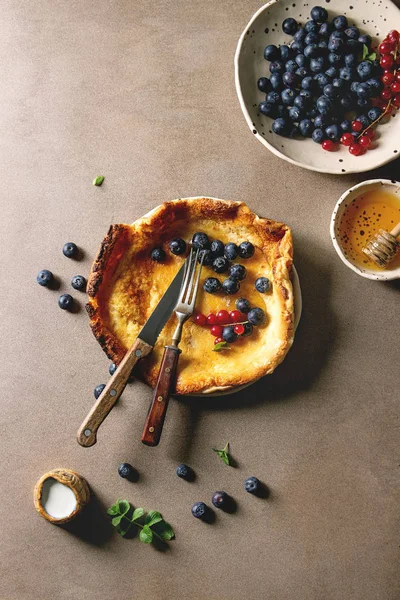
(143, 93)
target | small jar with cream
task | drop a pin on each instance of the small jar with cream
(60, 495)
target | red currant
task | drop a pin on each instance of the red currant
(356, 149)
(386, 47)
(398, 76)
(212, 319)
(218, 340)
(216, 330)
(239, 329)
(370, 133)
(236, 316)
(347, 139)
(388, 77)
(395, 87)
(393, 35)
(386, 61)
(396, 101)
(356, 126)
(200, 319)
(386, 94)
(364, 141)
(328, 145)
(223, 317)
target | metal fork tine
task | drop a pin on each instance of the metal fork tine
(196, 284)
(192, 275)
(188, 264)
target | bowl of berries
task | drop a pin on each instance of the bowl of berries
(320, 88)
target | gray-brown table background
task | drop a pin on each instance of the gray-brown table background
(143, 92)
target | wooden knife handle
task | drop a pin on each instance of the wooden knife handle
(165, 384)
(109, 396)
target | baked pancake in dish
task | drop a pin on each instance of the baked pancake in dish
(125, 285)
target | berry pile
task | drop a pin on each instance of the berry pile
(229, 326)
(323, 82)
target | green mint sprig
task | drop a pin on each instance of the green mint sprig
(221, 346)
(224, 454)
(99, 180)
(151, 526)
(366, 54)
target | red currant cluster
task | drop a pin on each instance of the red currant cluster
(216, 322)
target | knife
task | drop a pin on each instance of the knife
(141, 347)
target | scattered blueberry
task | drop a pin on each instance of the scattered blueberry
(66, 302)
(345, 126)
(264, 84)
(295, 113)
(229, 335)
(158, 255)
(45, 278)
(277, 67)
(340, 23)
(112, 368)
(306, 127)
(324, 105)
(288, 96)
(350, 60)
(311, 26)
(311, 51)
(365, 39)
(301, 60)
(290, 26)
(333, 132)
(177, 246)
(220, 499)
(365, 70)
(262, 285)
(269, 110)
(376, 85)
(79, 283)
(98, 390)
(217, 248)
(231, 251)
(206, 257)
(276, 81)
(363, 120)
(256, 316)
(211, 285)
(200, 241)
(271, 53)
(318, 135)
(374, 113)
(273, 97)
(311, 38)
(237, 271)
(126, 471)
(319, 14)
(325, 30)
(285, 52)
(70, 250)
(243, 305)
(185, 472)
(230, 286)
(220, 264)
(353, 33)
(252, 485)
(289, 79)
(281, 126)
(248, 329)
(200, 510)
(300, 35)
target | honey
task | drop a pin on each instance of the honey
(363, 218)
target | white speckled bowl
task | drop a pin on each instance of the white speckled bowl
(342, 203)
(375, 17)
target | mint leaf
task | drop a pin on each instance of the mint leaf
(153, 517)
(166, 531)
(137, 513)
(146, 535)
(221, 346)
(99, 180)
(224, 453)
(123, 506)
(366, 55)
(116, 520)
(113, 510)
(372, 56)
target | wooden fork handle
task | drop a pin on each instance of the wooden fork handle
(109, 396)
(164, 386)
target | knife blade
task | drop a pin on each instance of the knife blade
(141, 347)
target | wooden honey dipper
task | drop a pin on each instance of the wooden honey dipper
(383, 246)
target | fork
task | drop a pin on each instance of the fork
(166, 377)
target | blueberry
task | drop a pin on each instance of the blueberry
(280, 111)
(293, 131)
(317, 64)
(300, 35)
(220, 499)
(350, 60)
(331, 72)
(217, 248)
(200, 241)
(126, 471)
(177, 246)
(243, 305)
(318, 135)
(333, 132)
(289, 26)
(288, 96)
(321, 121)
(277, 67)
(112, 368)
(79, 283)
(340, 23)
(354, 47)
(319, 14)
(321, 79)
(252, 485)
(345, 126)
(363, 90)
(376, 86)
(248, 329)
(296, 114)
(330, 91)
(301, 102)
(323, 46)
(302, 72)
(324, 105)
(297, 47)
(311, 38)
(276, 81)
(285, 52)
(354, 86)
(211, 285)
(273, 98)
(230, 286)
(365, 39)
(336, 45)
(45, 278)
(271, 52)
(264, 84)
(269, 110)
(347, 73)
(374, 113)
(365, 70)
(334, 58)
(340, 83)
(325, 30)
(363, 103)
(158, 255)
(308, 83)
(229, 335)
(185, 472)
(301, 60)
(70, 249)
(231, 251)
(347, 102)
(363, 120)
(237, 272)
(200, 510)
(291, 66)
(246, 250)
(289, 79)
(353, 33)
(66, 302)
(307, 94)
(338, 35)
(311, 26)
(262, 285)
(281, 126)
(98, 390)
(256, 316)
(205, 257)
(311, 51)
